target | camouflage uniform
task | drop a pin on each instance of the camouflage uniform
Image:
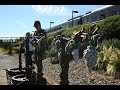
(39, 53)
(70, 47)
(94, 37)
(64, 62)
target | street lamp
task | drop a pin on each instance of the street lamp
(50, 25)
(72, 16)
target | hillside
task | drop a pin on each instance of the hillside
(110, 27)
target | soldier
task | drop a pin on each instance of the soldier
(64, 62)
(29, 53)
(30, 48)
(72, 49)
(54, 40)
(94, 37)
(58, 47)
(78, 37)
(40, 48)
(40, 31)
(57, 42)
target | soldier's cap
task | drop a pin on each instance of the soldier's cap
(36, 23)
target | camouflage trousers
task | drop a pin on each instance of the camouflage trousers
(38, 56)
(64, 70)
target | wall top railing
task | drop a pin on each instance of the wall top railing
(21, 37)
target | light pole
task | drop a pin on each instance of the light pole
(72, 16)
(50, 25)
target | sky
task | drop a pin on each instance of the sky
(16, 20)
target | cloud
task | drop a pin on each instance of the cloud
(22, 24)
(59, 10)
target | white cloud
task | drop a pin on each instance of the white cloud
(52, 10)
(22, 24)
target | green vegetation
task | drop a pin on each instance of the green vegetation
(53, 52)
(109, 27)
(8, 50)
(109, 49)
(111, 42)
(109, 60)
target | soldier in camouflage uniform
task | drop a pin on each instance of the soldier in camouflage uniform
(64, 61)
(55, 46)
(72, 49)
(78, 37)
(40, 47)
(94, 37)
(58, 47)
(57, 42)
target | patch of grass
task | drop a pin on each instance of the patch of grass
(8, 51)
(114, 42)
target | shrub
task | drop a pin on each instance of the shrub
(103, 58)
(109, 60)
(53, 52)
(113, 67)
(110, 27)
(114, 42)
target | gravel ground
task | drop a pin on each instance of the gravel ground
(77, 72)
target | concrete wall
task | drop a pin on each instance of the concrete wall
(93, 17)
